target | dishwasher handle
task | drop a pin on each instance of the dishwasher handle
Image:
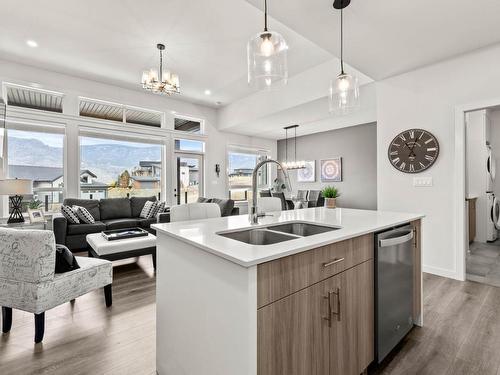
(396, 240)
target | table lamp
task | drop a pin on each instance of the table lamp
(15, 189)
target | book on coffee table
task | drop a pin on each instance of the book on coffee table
(120, 234)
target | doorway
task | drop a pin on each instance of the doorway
(189, 178)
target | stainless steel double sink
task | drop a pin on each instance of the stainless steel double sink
(276, 233)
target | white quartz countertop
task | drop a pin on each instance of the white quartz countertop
(203, 233)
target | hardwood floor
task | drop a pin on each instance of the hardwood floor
(86, 337)
(461, 334)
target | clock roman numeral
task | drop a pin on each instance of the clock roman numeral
(428, 157)
(432, 149)
(394, 153)
(412, 168)
(396, 161)
(402, 137)
(429, 140)
(421, 164)
(412, 134)
(402, 166)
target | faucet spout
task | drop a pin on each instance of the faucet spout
(254, 215)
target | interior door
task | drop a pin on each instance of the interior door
(293, 333)
(189, 170)
(352, 333)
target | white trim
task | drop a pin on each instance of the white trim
(451, 274)
(32, 88)
(460, 236)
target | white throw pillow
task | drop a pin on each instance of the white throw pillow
(84, 215)
(70, 214)
(148, 210)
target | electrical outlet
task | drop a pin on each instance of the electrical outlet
(422, 181)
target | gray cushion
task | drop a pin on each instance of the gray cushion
(137, 203)
(115, 208)
(121, 223)
(91, 205)
(204, 200)
(226, 205)
(85, 228)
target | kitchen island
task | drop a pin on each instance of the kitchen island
(304, 305)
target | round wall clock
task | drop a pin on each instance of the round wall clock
(413, 151)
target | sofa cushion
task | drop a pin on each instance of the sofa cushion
(121, 223)
(115, 208)
(226, 206)
(85, 228)
(148, 210)
(91, 205)
(84, 215)
(70, 214)
(137, 203)
(146, 223)
(204, 200)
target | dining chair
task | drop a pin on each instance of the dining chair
(194, 211)
(315, 199)
(265, 193)
(285, 204)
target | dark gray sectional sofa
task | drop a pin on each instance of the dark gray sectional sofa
(111, 213)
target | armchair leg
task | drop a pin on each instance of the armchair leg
(6, 319)
(39, 327)
(108, 295)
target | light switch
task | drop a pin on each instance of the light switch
(422, 181)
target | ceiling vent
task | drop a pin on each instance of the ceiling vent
(119, 112)
(30, 97)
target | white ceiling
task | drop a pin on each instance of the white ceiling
(114, 40)
(387, 37)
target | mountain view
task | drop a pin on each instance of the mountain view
(107, 161)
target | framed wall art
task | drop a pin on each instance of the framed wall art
(331, 170)
(307, 174)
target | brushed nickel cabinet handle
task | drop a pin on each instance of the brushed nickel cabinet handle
(335, 261)
(328, 318)
(337, 293)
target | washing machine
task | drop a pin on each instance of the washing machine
(490, 169)
(493, 222)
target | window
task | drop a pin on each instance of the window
(117, 168)
(241, 163)
(39, 157)
(189, 145)
(188, 125)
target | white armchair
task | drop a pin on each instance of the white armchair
(28, 281)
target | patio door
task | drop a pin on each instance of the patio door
(189, 168)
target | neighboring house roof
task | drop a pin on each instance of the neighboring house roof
(96, 185)
(145, 178)
(40, 174)
(148, 163)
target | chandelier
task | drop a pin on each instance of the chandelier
(344, 90)
(160, 81)
(295, 164)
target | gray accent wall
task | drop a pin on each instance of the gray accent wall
(357, 145)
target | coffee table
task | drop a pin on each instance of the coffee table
(121, 249)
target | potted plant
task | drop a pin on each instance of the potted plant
(330, 193)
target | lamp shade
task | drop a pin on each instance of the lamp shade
(18, 186)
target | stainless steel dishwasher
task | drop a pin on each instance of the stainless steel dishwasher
(393, 288)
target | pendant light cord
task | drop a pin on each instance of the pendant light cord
(295, 136)
(265, 15)
(342, 41)
(160, 73)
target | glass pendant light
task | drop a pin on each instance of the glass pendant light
(267, 58)
(344, 90)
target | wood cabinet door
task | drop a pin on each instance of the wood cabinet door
(293, 333)
(352, 331)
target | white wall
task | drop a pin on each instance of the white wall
(73, 87)
(495, 147)
(427, 98)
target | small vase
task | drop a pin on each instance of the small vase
(330, 202)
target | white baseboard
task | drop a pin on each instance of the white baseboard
(451, 274)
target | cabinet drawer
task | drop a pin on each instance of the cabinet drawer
(281, 277)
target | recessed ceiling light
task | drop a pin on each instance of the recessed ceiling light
(208, 92)
(173, 112)
(32, 43)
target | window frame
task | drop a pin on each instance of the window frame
(251, 151)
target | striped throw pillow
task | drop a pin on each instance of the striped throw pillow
(84, 215)
(148, 210)
(160, 207)
(70, 214)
